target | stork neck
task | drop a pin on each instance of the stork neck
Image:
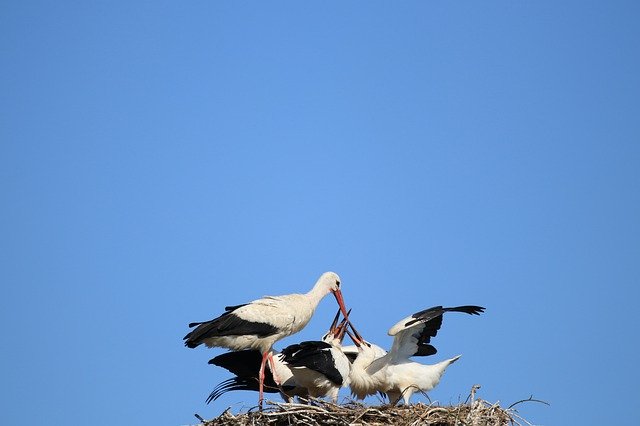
(317, 293)
(364, 358)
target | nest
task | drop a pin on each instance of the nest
(319, 412)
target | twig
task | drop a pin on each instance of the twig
(530, 399)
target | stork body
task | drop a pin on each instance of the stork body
(318, 366)
(395, 373)
(315, 368)
(262, 322)
(402, 380)
(364, 382)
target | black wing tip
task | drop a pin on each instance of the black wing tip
(190, 342)
(228, 385)
(471, 309)
(234, 383)
(243, 384)
(437, 311)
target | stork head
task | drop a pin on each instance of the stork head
(331, 281)
(367, 352)
(336, 332)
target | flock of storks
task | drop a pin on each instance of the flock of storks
(320, 368)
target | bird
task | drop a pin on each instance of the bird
(244, 365)
(361, 382)
(262, 322)
(320, 366)
(394, 373)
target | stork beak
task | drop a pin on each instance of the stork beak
(342, 328)
(354, 338)
(338, 294)
(333, 329)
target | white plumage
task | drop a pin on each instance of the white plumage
(394, 373)
(262, 322)
(321, 366)
(362, 382)
(316, 368)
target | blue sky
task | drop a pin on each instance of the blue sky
(161, 160)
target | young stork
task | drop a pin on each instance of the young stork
(244, 365)
(394, 373)
(262, 322)
(321, 366)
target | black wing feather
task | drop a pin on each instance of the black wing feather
(314, 355)
(244, 363)
(226, 324)
(432, 321)
(246, 366)
(243, 383)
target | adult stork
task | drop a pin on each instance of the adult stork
(394, 373)
(262, 322)
(293, 382)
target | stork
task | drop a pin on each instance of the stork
(244, 365)
(394, 373)
(320, 366)
(262, 322)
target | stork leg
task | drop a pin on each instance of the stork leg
(272, 366)
(261, 378)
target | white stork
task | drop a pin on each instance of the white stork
(262, 322)
(293, 380)
(394, 373)
(320, 366)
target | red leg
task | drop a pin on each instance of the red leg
(261, 378)
(272, 365)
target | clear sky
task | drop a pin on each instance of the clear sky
(161, 160)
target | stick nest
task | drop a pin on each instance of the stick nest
(476, 413)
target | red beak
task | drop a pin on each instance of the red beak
(354, 338)
(342, 328)
(333, 329)
(340, 300)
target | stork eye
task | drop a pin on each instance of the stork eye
(337, 283)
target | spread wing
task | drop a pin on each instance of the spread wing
(412, 335)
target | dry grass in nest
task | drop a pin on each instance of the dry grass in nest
(320, 412)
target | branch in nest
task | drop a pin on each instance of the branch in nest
(530, 399)
(324, 413)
